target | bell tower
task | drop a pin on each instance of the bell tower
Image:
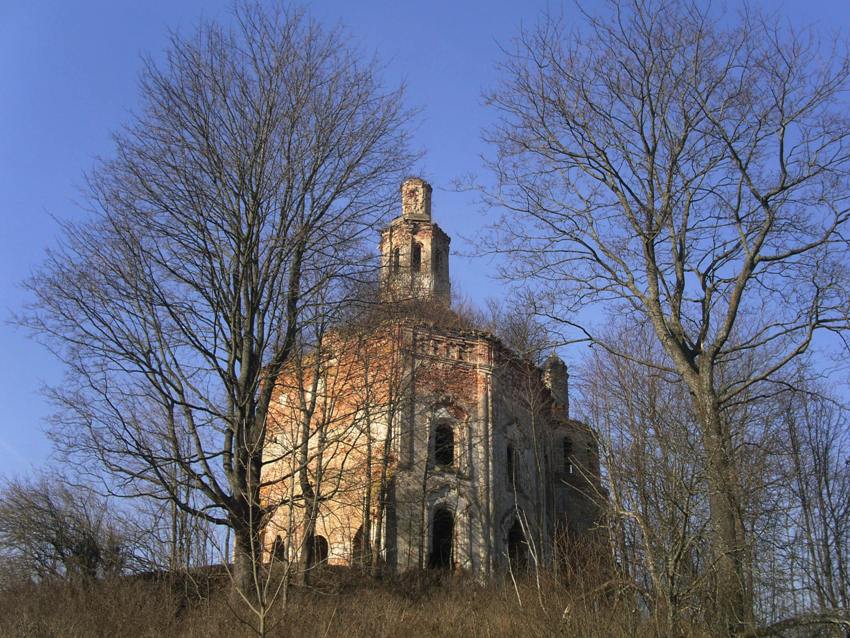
(414, 250)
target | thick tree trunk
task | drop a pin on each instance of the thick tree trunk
(733, 612)
(246, 557)
(733, 605)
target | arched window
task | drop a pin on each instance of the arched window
(568, 455)
(444, 445)
(510, 466)
(416, 257)
(396, 260)
(442, 534)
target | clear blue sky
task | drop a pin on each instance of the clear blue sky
(68, 74)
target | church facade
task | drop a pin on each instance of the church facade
(411, 440)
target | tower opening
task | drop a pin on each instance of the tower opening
(442, 534)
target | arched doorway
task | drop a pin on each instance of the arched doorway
(317, 546)
(278, 551)
(517, 546)
(442, 535)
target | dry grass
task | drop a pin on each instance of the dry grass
(336, 606)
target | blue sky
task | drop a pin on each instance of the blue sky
(68, 73)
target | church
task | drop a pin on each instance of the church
(412, 440)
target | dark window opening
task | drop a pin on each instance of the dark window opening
(517, 546)
(444, 445)
(568, 454)
(510, 466)
(396, 260)
(317, 546)
(442, 533)
(416, 258)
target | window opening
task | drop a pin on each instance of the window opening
(568, 453)
(416, 258)
(444, 445)
(510, 466)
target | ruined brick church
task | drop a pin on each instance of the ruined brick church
(411, 440)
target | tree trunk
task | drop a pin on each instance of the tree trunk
(246, 557)
(306, 555)
(364, 552)
(733, 612)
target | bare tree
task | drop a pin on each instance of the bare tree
(50, 529)
(817, 446)
(167, 538)
(519, 328)
(694, 175)
(794, 509)
(654, 473)
(261, 156)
